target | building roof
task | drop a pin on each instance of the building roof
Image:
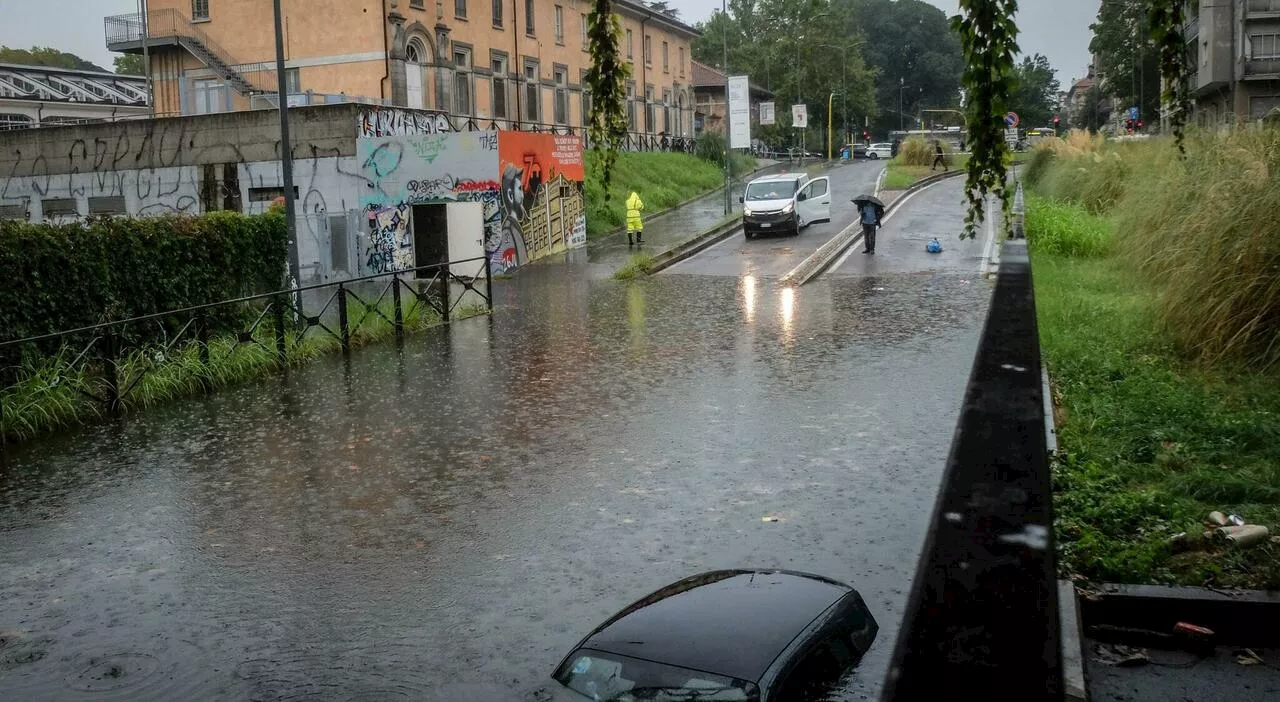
(640, 9)
(733, 623)
(705, 76)
(50, 84)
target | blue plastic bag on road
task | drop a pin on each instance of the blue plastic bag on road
(933, 246)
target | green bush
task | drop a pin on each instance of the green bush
(915, 151)
(1065, 230)
(65, 276)
(1038, 166)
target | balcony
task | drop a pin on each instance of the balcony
(1262, 69)
(1262, 9)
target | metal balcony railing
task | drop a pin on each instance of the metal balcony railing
(1262, 67)
(1262, 6)
(124, 31)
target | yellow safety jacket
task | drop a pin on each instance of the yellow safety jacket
(634, 206)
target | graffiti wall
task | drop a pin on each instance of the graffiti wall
(530, 186)
(543, 206)
(373, 122)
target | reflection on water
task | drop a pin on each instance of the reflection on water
(464, 508)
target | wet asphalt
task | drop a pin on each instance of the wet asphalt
(772, 256)
(415, 522)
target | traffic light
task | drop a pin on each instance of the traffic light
(1139, 125)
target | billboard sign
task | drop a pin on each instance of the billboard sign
(739, 112)
(766, 113)
(800, 116)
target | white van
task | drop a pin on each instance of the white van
(785, 202)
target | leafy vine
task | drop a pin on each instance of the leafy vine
(988, 37)
(606, 82)
(1167, 17)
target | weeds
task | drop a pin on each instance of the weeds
(639, 264)
(663, 180)
(50, 393)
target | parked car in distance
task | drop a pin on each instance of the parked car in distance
(728, 635)
(784, 202)
(880, 151)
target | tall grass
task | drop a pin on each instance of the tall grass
(915, 151)
(1065, 230)
(50, 392)
(1204, 232)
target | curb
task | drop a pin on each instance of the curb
(694, 246)
(818, 261)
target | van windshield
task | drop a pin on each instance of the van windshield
(770, 190)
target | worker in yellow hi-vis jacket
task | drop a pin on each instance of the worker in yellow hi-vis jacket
(634, 223)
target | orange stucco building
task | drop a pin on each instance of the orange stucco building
(485, 61)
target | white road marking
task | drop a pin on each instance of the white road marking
(879, 180)
(896, 208)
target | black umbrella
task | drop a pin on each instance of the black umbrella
(863, 199)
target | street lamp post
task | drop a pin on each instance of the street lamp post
(830, 98)
(901, 124)
(286, 157)
(728, 196)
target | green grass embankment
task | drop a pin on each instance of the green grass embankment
(1167, 404)
(662, 179)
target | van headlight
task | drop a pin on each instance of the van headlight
(746, 210)
(791, 207)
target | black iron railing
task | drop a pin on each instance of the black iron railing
(278, 322)
(983, 612)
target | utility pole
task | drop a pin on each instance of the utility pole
(728, 195)
(286, 156)
(901, 118)
(146, 56)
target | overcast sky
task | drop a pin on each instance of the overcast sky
(1058, 29)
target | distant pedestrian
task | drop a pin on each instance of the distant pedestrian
(895, 148)
(940, 156)
(870, 222)
(635, 225)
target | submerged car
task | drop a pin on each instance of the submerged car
(729, 636)
(786, 203)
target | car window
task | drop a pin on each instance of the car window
(818, 188)
(771, 190)
(811, 679)
(609, 677)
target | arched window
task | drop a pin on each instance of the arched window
(415, 53)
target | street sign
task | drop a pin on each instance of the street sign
(739, 112)
(766, 113)
(800, 116)
(1133, 113)
(1012, 120)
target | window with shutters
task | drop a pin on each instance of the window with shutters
(528, 17)
(532, 92)
(499, 65)
(497, 13)
(559, 24)
(462, 81)
(199, 9)
(562, 95)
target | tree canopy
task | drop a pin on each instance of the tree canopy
(1035, 92)
(129, 64)
(1128, 58)
(46, 56)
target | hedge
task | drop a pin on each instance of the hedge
(64, 276)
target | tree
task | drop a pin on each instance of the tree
(1089, 115)
(916, 55)
(1128, 59)
(1035, 93)
(129, 64)
(46, 56)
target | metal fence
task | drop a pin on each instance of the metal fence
(279, 321)
(983, 610)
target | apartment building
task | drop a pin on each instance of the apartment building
(1235, 59)
(509, 63)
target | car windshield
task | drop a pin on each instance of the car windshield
(770, 190)
(606, 677)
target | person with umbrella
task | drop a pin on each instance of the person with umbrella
(870, 210)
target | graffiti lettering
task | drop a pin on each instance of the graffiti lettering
(383, 122)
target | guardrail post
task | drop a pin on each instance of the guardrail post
(277, 312)
(395, 299)
(488, 284)
(445, 286)
(111, 371)
(342, 319)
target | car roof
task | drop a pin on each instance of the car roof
(778, 177)
(727, 622)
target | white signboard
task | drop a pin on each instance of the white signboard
(800, 116)
(766, 113)
(739, 112)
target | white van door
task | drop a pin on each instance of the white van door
(820, 194)
(805, 205)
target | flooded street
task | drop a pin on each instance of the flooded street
(463, 509)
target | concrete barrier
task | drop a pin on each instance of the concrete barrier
(818, 261)
(696, 245)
